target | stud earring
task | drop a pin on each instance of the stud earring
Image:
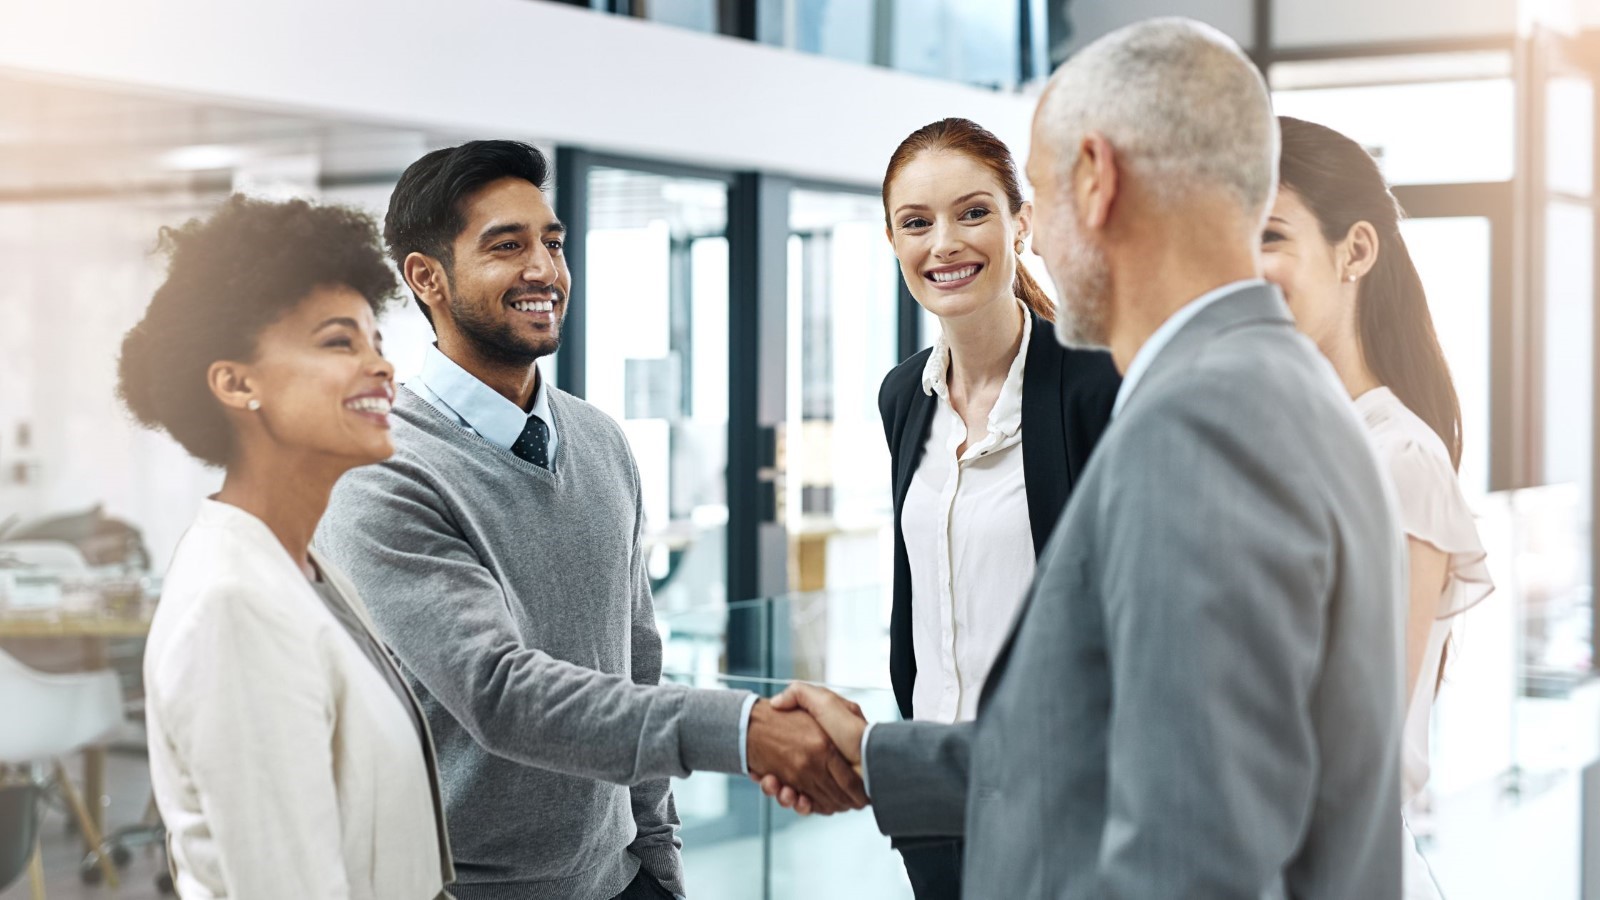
(254, 405)
(1019, 247)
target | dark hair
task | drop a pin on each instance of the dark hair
(228, 278)
(971, 139)
(1341, 185)
(425, 209)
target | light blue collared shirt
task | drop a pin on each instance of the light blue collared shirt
(459, 394)
(1169, 329)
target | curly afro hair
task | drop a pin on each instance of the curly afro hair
(228, 278)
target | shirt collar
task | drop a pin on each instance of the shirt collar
(496, 419)
(1006, 417)
(1169, 329)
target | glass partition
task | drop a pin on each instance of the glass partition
(737, 844)
(656, 360)
(842, 329)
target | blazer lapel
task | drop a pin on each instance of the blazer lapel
(352, 598)
(918, 418)
(1044, 442)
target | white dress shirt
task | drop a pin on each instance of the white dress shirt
(968, 540)
(459, 394)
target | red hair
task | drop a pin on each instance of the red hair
(972, 140)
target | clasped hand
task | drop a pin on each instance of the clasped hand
(805, 750)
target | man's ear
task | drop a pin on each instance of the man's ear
(1095, 180)
(427, 279)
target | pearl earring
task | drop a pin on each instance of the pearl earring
(1019, 248)
(254, 405)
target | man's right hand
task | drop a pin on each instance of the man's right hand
(792, 748)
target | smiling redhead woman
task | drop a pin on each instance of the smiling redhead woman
(988, 431)
(288, 757)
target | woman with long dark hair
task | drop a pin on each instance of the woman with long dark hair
(988, 432)
(1333, 244)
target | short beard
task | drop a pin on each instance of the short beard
(494, 338)
(1083, 317)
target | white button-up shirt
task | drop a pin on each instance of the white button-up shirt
(459, 394)
(968, 540)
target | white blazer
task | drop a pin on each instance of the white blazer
(280, 759)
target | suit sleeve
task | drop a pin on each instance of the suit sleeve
(1214, 630)
(255, 731)
(446, 618)
(919, 777)
(655, 814)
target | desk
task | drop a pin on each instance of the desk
(92, 631)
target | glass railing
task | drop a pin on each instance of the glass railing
(736, 842)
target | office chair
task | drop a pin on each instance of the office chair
(63, 714)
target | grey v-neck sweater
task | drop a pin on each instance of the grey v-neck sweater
(517, 603)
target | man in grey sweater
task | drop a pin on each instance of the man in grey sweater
(499, 551)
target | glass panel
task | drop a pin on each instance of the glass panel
(1505, 795)
(658, 261)
(1569, 137)
(1568, 343)
(973, 41)
(837, 29)
(1439, 133)
(736, 842)
(1453, 256)
(696, 15)
(842, 316)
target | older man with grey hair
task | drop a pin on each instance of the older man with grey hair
(1201, 695)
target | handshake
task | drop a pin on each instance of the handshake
(804, 747)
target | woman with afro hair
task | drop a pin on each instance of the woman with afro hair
(288, 757)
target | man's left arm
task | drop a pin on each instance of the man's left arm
(655, 815)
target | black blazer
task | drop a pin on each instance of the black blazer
(1066, 403)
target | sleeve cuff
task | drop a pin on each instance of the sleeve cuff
(744, 734)
(866, 780)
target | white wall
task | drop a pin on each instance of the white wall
(495, 66)
(86, 274)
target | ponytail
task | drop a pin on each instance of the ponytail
(1031, 295)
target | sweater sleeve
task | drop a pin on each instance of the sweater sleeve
(447, 619)
(655, 814)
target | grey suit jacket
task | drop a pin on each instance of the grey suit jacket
(1201, 695)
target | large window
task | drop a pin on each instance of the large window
(842, 320)
(655, 358)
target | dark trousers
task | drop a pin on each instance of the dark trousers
(644, 887)
(934, 867)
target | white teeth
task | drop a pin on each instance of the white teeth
(534, 305)
(957, 275)
(379, 405)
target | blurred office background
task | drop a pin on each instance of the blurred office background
(735, 306)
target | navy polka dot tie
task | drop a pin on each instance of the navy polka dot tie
(533, 444)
